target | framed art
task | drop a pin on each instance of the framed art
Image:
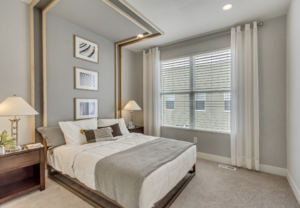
(86, 50)
(85, 108)
(85, 79)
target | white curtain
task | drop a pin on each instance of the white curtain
(244, 98)
(151, 74)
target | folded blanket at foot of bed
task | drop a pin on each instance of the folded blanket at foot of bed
(121, 175)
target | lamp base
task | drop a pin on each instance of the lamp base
(130, 125)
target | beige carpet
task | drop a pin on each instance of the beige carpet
(211, 187)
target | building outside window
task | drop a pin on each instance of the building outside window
(227, 101)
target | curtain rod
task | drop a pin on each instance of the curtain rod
(202, 36)
(259, 24)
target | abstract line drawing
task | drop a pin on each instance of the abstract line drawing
(82, 45)
(86, 79)
(92, 53)
(86, 50)
(85, 108)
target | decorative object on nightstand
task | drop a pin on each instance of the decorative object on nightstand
(6, 140)
(21, 172)
(34, 146)
(15, 106)
(131, 105)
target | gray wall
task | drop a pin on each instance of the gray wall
(272, 82)
(272, 91)
(128, 82)
(60, 71)
(132, 84)
(38, 72)
(139, 88)
(293, 99)
(14, 60)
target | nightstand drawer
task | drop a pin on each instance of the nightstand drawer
(20, 160)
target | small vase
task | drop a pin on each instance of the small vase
(2, 150)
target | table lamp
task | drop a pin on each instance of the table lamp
(131, 105)
(16, 106)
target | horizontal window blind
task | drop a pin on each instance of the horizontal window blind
(195, 91)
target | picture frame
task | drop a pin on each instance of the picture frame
(86, 108)
(86, 50)
(85, 79)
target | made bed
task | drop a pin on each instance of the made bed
(125, 172)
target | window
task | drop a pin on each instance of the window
(200, 101)
(199, 87)
(170, 102)
(227, 101)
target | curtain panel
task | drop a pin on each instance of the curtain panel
(151, 89)
(244, 98)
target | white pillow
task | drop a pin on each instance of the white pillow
(109, 122)
(71, 130)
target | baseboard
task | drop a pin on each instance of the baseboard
(293, 185)
(272, 170)
(215, 158)
(227, 160)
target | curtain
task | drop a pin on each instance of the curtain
(244, 98)
(151, 92)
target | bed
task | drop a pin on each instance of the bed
(74, 168)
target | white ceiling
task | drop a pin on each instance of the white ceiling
(97, 17)
(180, 19)
(27, 1)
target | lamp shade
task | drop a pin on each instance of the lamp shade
(16, 106)
(132, 105)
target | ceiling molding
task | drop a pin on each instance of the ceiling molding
(141, 16)
(127, 16)
(137, 17)
(27, 1)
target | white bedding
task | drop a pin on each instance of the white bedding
(79, 162)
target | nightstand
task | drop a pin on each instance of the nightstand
(21, 172)
(137, 129)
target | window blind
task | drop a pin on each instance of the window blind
(195, 91)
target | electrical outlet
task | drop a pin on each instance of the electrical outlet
(195, 139)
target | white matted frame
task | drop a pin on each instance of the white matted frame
(85, 108)
(85, 79)
(86, 50)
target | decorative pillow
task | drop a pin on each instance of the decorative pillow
(71, 130)
(115, 129)
(53, 136)
(109, 122)
(98, 135)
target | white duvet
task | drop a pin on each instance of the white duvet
(79, 162)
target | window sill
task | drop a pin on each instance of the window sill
(188, 129)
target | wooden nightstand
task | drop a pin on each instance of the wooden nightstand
(21, 172)
(137, 129)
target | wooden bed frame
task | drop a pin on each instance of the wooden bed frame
(99, 200)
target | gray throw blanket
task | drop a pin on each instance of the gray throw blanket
(121, 175)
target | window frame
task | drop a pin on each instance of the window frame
(192, 92)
